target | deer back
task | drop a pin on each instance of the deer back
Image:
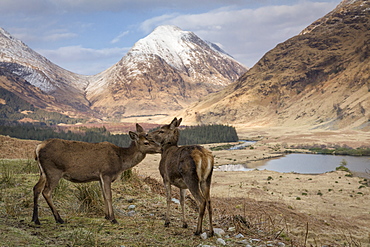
(79, 161)
(177, 163)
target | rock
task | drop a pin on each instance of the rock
(221, 241)
(218, 232)
(255, 240)
(131, 207)
(131, 213)
(175, 200)
(239, 235)
(231, 229)
(204, 235)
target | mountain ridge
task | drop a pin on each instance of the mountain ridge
(319, 79)
(169, 68)
(154, 77)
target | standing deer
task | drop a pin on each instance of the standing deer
(81, 162)
(186, 167)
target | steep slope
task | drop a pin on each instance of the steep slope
(162, 73)
(320, 77)
(23, 70)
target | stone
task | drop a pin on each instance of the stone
(175, 200)
(221, 241)
(218, 232)
(131, 213)
(204, 235)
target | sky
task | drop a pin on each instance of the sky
(89, 36)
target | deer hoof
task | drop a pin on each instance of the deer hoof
(167, 224)
(196, 233)
(114, 221)
(60, 221)
(37, 222)
(185, 225)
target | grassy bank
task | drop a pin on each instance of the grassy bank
(81, 206)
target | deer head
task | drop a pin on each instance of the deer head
(167, 134)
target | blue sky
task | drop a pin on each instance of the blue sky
(89, 36)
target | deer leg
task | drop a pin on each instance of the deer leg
(37, 189)
(168, 194)
(205, 187)
(182, 202)
(199, 197)
(105, 184)
(51, 183)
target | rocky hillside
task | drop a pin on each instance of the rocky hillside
(320, 77)
(39, 81)
(163, 72)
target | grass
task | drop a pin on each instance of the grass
(362, 151)
(80, 205)
(222, 147)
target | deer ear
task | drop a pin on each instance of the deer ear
(173, 123)
(139, 128)
(178, 122)
(134, 136)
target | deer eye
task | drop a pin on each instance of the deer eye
(146, 143)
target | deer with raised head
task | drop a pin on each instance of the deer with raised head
(81, 162)
(186, 167)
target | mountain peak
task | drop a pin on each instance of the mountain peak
(167, 42)
(175, 46)
(168, 28)
(165, 71)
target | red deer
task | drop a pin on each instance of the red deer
(186, 167)
(81, 162)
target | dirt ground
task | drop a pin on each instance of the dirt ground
(332, 208)
(336, 206)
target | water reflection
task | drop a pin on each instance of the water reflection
(304, 163)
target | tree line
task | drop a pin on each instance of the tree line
(203, 134)
(190, 135)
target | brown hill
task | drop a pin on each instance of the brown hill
(320, 77)
(162, 73)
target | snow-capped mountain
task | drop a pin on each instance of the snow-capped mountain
(165, 71)
(67, 88)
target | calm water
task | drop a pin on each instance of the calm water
(306, 163)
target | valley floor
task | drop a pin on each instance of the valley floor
(327, 209)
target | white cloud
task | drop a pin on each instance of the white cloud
(247, 33)
(88, 6)
(83, 60)
(119, 37)
(59, 36)
(239, 27)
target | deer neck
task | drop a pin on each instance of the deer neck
(131, 156)
(167, 146)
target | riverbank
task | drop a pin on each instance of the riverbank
(330, 208)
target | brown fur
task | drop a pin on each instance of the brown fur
(186, 167)
(82, 162)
